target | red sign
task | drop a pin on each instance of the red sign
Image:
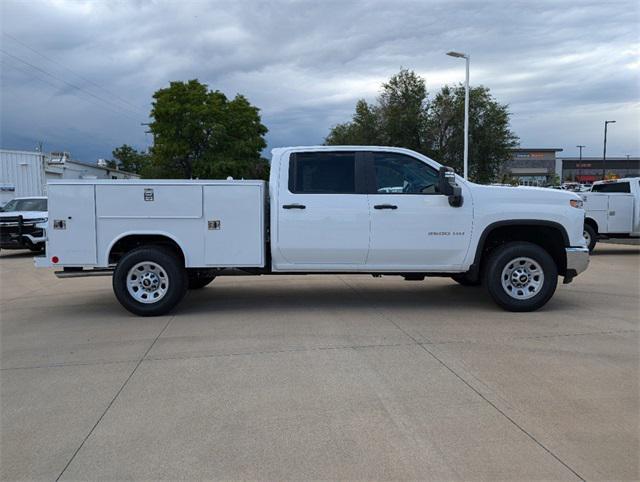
(587, 178)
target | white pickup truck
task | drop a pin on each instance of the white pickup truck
(351, 209)
(612, 210)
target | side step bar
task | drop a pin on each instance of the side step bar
(80, 273)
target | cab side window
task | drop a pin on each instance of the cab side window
(322, 173)
(400, 174)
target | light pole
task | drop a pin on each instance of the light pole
(466, 111)
(580, 147)
(604, 152)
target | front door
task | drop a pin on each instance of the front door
(413, 227)
(323, 217)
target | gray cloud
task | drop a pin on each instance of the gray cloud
(563, 67)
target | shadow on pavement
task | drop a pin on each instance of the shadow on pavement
(619, 251)
(9, 253)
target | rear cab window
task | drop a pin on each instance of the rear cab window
(620, 187)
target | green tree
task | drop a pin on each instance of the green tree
(129, 159)
(200, 133)
(403, 116)
(490, 137)
(362, 130)
(398, 119)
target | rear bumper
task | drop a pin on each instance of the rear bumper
(577, 262)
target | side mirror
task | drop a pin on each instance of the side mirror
(447, 186)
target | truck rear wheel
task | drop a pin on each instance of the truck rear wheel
(520, 276)
(590, 236)
(149, 281)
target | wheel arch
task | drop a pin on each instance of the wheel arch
(550, 235)
(131, 240)
(593, 223)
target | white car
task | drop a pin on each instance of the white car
(23, 223)
(325, 209)
(612, 210)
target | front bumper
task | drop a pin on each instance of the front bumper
(577, 262)
(21, 234)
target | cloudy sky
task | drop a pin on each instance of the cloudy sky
(79, 75)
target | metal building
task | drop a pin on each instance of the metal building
(22, 173)
(25, 173)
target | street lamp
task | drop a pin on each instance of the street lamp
(460, 55)
(580, 147)
(604, 153)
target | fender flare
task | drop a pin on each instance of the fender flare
(474, 269)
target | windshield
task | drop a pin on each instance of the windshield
(25, 205)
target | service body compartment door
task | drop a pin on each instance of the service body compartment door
(620, 213)
(71, 231)
(234, 225)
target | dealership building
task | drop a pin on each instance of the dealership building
(538, 166)
(589, 169)
(533, 166)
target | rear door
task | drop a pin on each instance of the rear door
(413, 227)
(323, 213)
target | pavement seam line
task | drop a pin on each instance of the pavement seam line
(212, 355)
(113, 399)
(476, 391)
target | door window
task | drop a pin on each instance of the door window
(322, 173)
(400, 174)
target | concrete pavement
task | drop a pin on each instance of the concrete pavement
(323, 377)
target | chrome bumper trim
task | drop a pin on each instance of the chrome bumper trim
(577, 260)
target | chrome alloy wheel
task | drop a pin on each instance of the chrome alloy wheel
(147, 282)
(587, 237)
(522, 278)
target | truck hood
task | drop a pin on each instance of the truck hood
(541, 195)
(25, 214)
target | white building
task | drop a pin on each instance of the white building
(25, 173)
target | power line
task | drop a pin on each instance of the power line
(104, 140)
(60, 64)
(106, 102)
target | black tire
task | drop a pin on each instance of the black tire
(591, 237)
(37, 248)
(198, 281)
(176, 276)
(465, 280)
(503, 258)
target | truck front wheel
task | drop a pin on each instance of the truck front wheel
(520, 276)
(149, 281)
(590, 236)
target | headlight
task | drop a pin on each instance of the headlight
(576, 203)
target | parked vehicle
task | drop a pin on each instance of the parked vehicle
(327, 209)
(22, 223)
(612, 210)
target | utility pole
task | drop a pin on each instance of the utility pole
(580, 147)
(149, 132)
(604, 151)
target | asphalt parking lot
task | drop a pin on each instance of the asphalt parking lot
(321, 377)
